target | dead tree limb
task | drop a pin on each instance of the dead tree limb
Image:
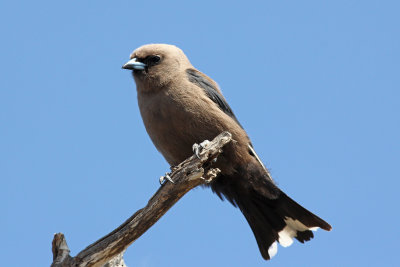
(108, 250)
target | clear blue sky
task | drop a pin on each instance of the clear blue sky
(315, 84)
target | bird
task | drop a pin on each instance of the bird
(181, 106)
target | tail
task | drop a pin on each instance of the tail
(279, 220)
(272, 215)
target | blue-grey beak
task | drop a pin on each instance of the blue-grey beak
(133, 64)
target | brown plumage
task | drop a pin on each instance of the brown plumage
(181, 106)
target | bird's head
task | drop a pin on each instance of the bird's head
(156, 65)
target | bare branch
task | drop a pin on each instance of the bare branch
(108, 250)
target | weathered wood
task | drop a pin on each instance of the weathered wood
(108, 250)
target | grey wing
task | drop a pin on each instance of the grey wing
(212, 92)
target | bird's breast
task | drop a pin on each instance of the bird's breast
(172, 124)
(175, 119)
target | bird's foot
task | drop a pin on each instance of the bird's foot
(166, 177)
(173, 168)
(197, 148)
(211, 175)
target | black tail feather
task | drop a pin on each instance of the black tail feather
(271, 214)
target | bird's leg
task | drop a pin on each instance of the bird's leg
(197, 148)
(166, 177)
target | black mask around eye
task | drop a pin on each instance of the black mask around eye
(152, 60)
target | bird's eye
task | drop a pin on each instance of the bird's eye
(155, 59)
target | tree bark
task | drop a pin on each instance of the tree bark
(108, 250)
